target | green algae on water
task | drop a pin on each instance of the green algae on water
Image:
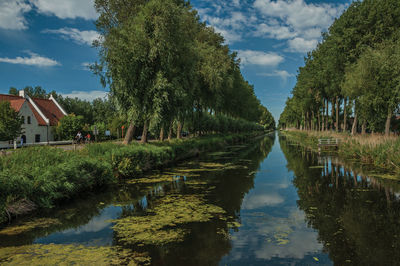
(70, 255)
(28, 226)
(162, 224)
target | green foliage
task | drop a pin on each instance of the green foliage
(164, 66)
(10, 122)
(69, 126)
(356, 65)
(47, 176)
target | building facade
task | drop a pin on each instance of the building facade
(40, 116)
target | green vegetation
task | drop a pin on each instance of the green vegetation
(70, 255)
(162, 225)
(69, 126)
(354, 72)
(167, 70)
(10, 122)
(42, 177)
(382, 153)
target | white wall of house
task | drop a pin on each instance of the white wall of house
(31, 130)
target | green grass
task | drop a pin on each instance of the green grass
(377, 150)
(48, 176)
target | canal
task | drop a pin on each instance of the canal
(271, 202)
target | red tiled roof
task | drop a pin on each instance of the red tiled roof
(6, 97)
(17, 104)
(50, 110)
(47, 107)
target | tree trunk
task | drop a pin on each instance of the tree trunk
(162, 134)
(387, 125)
(129, 134)
(144, 134)
(327, 115)
(354, 128)
(312, 121)
(337, 113)
(364, 128)
(345, 115)
(170, 131)
(319, 121)
(179, 130)
(323, 117)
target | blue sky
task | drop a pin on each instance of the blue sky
(48, 42)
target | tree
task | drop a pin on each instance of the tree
(69, 126)
(13, 91)
(10, 122)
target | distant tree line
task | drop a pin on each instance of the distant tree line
(351, 81)
(167, 70)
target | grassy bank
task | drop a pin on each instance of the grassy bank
(43, 177)
(374, 149)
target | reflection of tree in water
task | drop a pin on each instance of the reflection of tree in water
(357, 217)
(205, 244)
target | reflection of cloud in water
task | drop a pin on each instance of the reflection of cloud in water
(97, 223)
(274, 237)
(261, 200)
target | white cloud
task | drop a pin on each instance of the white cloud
(67, 8)
(12, 14)
(301, 45)
(80, 37)
(295, 20)
(283, 74)
(298, 13)
(33, 60)
(278, 32)
(86, 95)
(250, 57)
(273, 19)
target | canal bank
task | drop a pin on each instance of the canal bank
(44, 177)
(374, 153)
(271, 202)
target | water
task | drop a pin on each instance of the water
(283, 205)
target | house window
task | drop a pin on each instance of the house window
(37, 138)
(29, 120)
(23, 119)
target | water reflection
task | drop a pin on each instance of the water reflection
(273, 231)
(356, 215)
(88, 221)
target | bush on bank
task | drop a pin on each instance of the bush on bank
(47, 176)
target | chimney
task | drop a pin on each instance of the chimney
(22, 94)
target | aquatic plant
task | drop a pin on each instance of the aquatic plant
(70, 255)
(163, 224)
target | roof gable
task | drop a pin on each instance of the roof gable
(48, 108)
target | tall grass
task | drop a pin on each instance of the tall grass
(376, 149)
(47, 176)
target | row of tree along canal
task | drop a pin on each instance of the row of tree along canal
(354, 72)
(167, 69)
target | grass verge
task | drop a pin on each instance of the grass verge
(374, 149)
(43, 177)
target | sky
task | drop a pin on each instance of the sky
(48, 42)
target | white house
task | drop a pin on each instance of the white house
(40, 117)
